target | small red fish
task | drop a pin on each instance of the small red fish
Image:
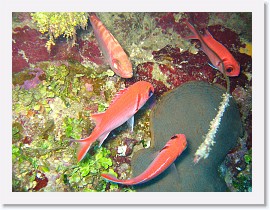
(173, 148)
(111, 49)
(122, 108)
(216, 52)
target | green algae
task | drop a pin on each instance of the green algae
(72, 127)
(243, 181)
(16, 131)
(87, 172)
(56, 24)
(248, 157)
(57, 109)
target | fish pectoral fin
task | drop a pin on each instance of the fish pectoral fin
(173, 170)
(190, 37)
(102, 138)
(130, 123)
(97, 117)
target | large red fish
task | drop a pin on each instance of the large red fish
(216, 52)
(122, 108)
(173, 148)
(111, 49)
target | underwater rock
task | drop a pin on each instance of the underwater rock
(28, 47)
(189, 109)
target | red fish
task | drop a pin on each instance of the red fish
(216, 52)
(173, 148)
(122, 108)
(111, 49)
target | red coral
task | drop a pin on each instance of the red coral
(201, 19)
(181, 68)
(168, 21)
(90, 50)
(27, 44)
(130, 143)
(27, 140)
(63, 51)
(41, 180)
(144, 73)
(29, 47)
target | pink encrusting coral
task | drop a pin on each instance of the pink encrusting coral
(28, 84)
(28, 47)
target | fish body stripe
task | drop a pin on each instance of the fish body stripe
(111, 49)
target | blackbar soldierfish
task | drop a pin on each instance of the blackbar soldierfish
(111, 49)
(217, 52)
(122, 108)
(173, 148)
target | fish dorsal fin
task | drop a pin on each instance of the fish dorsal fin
(164, 148)
(97, 117)
(118, 95)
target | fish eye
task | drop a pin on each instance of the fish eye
(230, 69)
(174, 137)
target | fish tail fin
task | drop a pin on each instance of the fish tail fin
(112, 178)
(84, 145)
(92, 13)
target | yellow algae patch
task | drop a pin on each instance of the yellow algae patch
(159, 76)
(247, 49)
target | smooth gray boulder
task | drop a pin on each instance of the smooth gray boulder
(189, 109)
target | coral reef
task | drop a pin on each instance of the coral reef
(55, 93)
(55, 107)
(28, 48)
(60, 23)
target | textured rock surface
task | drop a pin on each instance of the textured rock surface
(189, 109)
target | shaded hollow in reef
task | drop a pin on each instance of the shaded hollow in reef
(189, 109)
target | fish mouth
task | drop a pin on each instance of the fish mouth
(233, 75)
(127, 75)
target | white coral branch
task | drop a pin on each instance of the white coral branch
(205, 148)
